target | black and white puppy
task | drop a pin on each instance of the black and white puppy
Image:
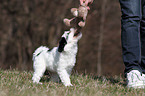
(60, 60)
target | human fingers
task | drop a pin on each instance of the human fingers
(82, 1)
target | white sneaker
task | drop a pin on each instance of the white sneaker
(143, 76)
(135, 80)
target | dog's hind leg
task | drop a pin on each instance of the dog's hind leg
(39, 69)
(64, 76)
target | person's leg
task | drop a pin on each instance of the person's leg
(131, 46)
(143, 37)
(130, 35)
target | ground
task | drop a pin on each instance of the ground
(19, 83)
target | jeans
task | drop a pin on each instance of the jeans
(133, 34)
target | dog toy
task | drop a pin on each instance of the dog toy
(80, 17)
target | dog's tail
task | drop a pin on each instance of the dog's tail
(39, 50)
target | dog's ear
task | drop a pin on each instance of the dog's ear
(62, 44)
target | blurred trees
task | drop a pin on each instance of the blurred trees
(28, 24)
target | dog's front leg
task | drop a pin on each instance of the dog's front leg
(64, 76)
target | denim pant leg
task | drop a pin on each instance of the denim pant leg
(130, 34)
(142, 32)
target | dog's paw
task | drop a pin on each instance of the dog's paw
(37, 82)
(68, 85)
(40, 83)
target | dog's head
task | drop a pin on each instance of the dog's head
(69, 37)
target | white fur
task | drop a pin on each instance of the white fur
(60, 63)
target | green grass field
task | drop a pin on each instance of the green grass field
(16, 83)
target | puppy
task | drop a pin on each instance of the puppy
(60, 60)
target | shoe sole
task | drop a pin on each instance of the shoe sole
(139, 85)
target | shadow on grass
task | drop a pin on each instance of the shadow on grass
(45, 77)
(112, 79)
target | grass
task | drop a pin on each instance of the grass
(16, 83)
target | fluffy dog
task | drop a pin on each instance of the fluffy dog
(60, 60)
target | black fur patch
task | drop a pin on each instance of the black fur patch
(62, 43)
(42, 51)
(49, 50)
(38, 54)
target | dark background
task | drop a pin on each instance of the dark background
(28, 24)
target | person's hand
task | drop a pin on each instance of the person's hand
(86, 2)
